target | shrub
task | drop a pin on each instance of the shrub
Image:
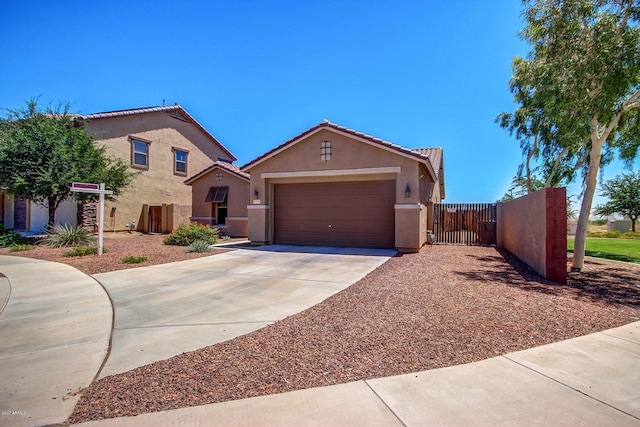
(61, 236)
(609, 234)
(84, 250)
(9, 238)
(599, 222)
(630, 235)
(185, 235)
(21, 248)
(199, 246)
(134, 259)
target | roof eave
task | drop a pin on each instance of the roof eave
(210, 169)
(165, 109)
(368, 139)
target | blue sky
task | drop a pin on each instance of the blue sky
(256, 73)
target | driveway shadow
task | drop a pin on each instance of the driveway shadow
(599, 280)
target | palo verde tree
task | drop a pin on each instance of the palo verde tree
(623, 193)
(43, 151)
(578, 93)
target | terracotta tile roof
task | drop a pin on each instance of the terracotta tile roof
(435, 155)
(326, 124)
(177, 108)
(222, 165)
(437, 160)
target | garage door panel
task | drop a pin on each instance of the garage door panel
(359, 214)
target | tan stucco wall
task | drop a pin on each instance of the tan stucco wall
(237, 201)
(534, 228)
(351, 160)
(158, 185)
(259, 224)
(522, 228)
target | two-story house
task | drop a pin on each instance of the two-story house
(165, 145)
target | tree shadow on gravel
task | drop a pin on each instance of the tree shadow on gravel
(598, 281)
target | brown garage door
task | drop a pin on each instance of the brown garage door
(347, 214)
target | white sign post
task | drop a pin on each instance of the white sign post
(82, 187)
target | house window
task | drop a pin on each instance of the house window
(221, 212)
(325, 151)
(217, 196)
(179, 161)
(140, 153)
(219, 176)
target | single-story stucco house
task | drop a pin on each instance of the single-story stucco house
(334, 186)
(219, 198)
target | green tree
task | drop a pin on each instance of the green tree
(578, 92)
(521, 186)
(623, 193)
(42, 151)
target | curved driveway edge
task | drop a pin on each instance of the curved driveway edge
(167, 309)
(55, 333)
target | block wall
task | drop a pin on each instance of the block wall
(534, 228)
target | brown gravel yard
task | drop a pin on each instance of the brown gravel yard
(118, 245)
(445, 305)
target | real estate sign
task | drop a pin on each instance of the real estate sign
(83, 187)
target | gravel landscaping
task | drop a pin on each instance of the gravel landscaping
(443, 306)
(118, 246)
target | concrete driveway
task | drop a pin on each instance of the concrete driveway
(164, 310)
(55, 324)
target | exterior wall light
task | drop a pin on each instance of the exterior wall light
(256, 195)
(407, 192)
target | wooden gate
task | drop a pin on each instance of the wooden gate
(465, 223)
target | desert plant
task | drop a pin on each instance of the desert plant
(134, 259)
(83, 250)
(199, 246)
(185, 235)
(21, 247)
(9, 238)
(61, 236)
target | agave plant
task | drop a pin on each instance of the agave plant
(59, 236)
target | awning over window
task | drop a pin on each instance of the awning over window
(216, 194)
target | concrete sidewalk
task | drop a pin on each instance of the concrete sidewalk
(590, 380)
(55, 327)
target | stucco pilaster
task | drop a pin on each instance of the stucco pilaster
(259, 224)
(408, 227)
